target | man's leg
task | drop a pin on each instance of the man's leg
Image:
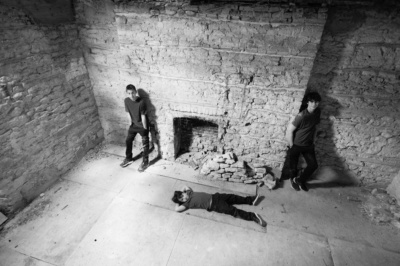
(312, 165)
(128, 143)
(145, 143)
(232, 199)
(294, 154)
(219, 204)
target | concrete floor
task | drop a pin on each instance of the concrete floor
(102, 214)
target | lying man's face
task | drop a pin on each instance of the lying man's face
(184, 197)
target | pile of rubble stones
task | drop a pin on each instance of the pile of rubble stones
(226, 167)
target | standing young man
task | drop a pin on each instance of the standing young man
(137, 112)
(300, 136)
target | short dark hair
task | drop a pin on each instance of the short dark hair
(313, 97)
(177, 196)
(130, 87)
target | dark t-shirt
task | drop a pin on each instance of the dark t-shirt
(305, 124)
(198, 200)
(135, 110)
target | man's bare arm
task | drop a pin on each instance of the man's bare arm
(180, 208)
(144, 121)
(289, 134)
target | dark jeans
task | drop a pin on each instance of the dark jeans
(308, 153)
(222, 203)
(132, 131)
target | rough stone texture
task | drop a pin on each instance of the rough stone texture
(357, 71)
(48, 115)
(244, 68)
(394, 187)
(44, 11)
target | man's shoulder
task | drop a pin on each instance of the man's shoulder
(301, 114)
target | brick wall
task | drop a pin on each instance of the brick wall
(48, 115)
(247, 66)
(244, 67)
(357, 71)
(195, 135)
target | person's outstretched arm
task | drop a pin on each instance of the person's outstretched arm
(180, 208)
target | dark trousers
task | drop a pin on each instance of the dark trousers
(222, 203)
(308, 153)
(132, 131)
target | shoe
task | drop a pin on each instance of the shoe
(255, 198)
(126, 162)
(295, 186)
(143, 166)
(259, 220)
(303, 186)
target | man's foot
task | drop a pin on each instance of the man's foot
(259, 220)
(255, 198)
(303, 186)
(295, 186)
(126, 162)
(143, 166)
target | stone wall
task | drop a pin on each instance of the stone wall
(357, 71)
(48, 115)
(244, 67)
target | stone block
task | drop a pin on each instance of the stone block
(258, 176)
(223, 165)
(260, 170)
(229, 156)
(394, 188)
(213, 165)
(219, 159)
(238, 164)
(226, 175)
(235, 180)
(230, 161)
(220, 171)
(230, 169)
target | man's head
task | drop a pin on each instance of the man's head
(180, 197)
(313, 100)
(131, 91)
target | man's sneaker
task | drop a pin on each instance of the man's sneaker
(126, 162)
(303, 186)
(143, 166)
(255, 198)
(295, 186)
(259, 220)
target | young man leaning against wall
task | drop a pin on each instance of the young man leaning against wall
(301, 135)
(137, 112)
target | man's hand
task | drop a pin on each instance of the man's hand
(186, 188)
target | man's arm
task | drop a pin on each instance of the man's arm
(289, 134)
(129, 118)
(180, 208)
(315, 134)
(144, 121)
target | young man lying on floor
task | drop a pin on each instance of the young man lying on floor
(222, 203)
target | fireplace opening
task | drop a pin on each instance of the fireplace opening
(194, 139)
